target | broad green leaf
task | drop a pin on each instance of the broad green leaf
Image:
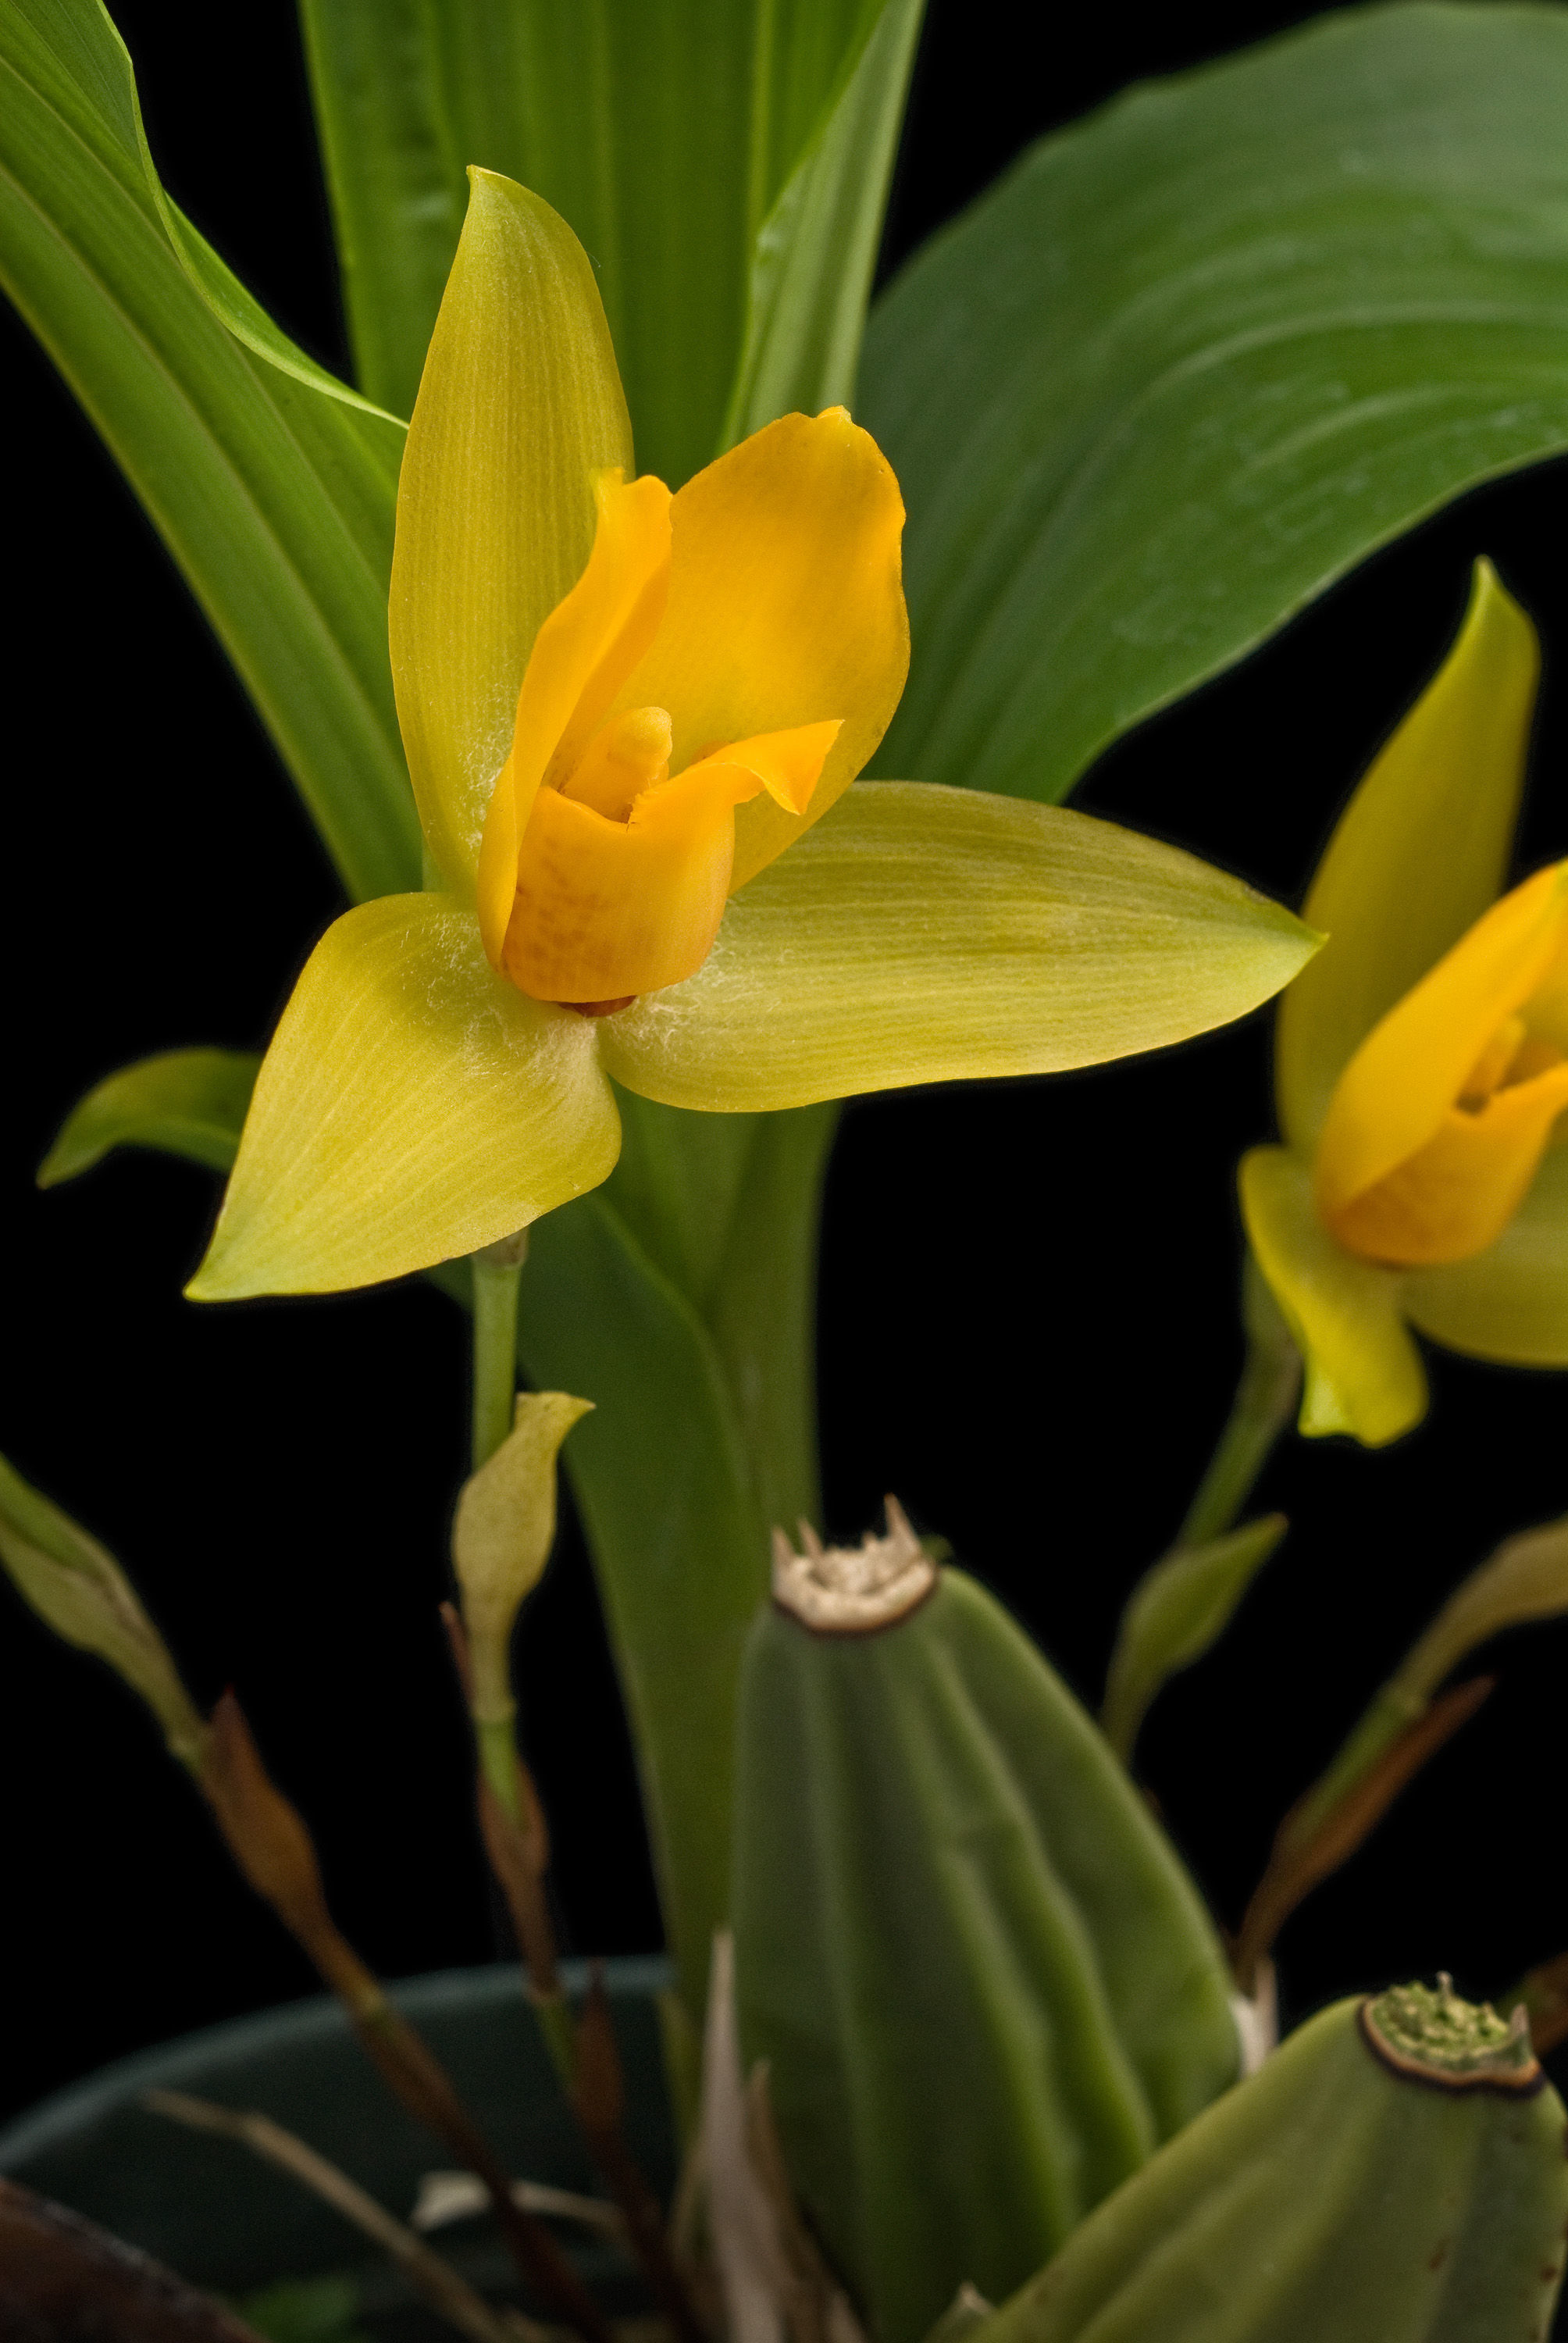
(682, 1296)
(274, 499)
(726, 168)
(727, 1207)
(921, 934)
(1177, 1610)
(1197, 356)
(189, 1102)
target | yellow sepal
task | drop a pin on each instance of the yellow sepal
(1364, 1372)
(923, 934)
(413, 1106)
(519, 406)
(1419, 853)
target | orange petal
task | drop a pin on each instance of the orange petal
(581, 658)
(608, 909)
(1457, 1194)
(1399, 1089)
(786, 606)
(787, 764)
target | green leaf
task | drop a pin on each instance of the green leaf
(1525, 1579)
(189, 1102)
(79, 1590)
(274, 499)
(726, 169)
(814, 254)
(1196, 357)
(983, 1984)
(1177, 1610)
(680, 1298)
(659, 1473)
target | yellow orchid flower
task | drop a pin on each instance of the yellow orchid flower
(620, 706)
(1421, 1063)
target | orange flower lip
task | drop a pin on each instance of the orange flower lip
(1438, 1124)
(742, 641)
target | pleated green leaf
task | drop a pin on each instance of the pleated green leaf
(189, 1102)
(983, 1984)
(725, 168)
(1196, 357)
(1333, 2194)
(272, 487)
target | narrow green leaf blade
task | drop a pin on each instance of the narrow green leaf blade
(814, 252)
(276, 500)
(666, 136)
(189, 1102)
(1175, 1612)
(1196, 357)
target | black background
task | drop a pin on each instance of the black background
(1028, 1325)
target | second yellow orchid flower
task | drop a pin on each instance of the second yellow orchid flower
(620, 708)
(1423, 1062)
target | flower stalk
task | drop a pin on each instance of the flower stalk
(1265, 1401)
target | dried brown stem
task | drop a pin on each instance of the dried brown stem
(1293, 1871)
(434, 2281)
(599, 2101)
(273, 1848)
(520, 1855)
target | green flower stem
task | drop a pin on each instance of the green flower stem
(496, 1740)
(1265, 1401)
(496, 1272)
